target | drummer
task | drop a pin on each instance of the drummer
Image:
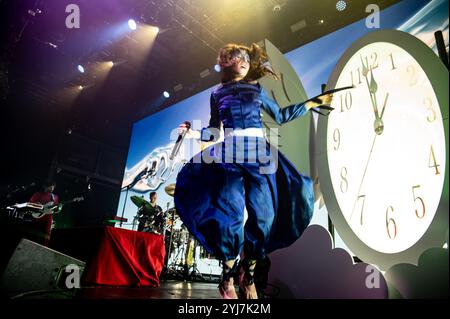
(144, 216)
(153, 203)
(150, 215)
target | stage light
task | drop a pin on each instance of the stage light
(217, 68)
(80, 68)
(166, 94)
(132, 24)
(34, 12)
(111, 63)
(156, 30)
(80, 87)
(341, 5)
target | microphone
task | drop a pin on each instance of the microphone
(180, 139)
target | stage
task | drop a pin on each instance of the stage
(154, 149)
(171, 289)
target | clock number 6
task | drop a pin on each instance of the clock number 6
(390, 221)
(421, 201)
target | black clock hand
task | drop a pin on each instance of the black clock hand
(364, 175)
(384, 106)
(372, 87)
(378, 125)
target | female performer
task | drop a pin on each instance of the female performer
(244, 172)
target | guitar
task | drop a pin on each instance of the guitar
(51, 208)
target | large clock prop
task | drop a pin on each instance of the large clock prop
(382, 153)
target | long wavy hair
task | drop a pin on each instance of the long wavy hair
(259, 62)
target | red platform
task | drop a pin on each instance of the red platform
(114, 256)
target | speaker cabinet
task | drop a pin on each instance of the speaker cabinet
(34, 267)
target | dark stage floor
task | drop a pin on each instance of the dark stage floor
(168, 290)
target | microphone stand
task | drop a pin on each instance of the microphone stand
(165, 220)
(170, 240)
(124, 203)
(179, 141)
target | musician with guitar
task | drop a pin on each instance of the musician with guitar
(47, 204)
(42, 226)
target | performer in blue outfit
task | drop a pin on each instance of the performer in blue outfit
(244, 172)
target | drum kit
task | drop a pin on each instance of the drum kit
(180, 244)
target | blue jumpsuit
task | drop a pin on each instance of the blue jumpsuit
(210, 197)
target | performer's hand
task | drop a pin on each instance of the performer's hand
(190, 133)
(320, 100)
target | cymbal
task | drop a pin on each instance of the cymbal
(170, 189)
(138, 201)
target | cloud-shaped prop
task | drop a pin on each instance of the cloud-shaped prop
(427, 280)
(311, 268)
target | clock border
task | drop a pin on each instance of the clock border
(438, 76)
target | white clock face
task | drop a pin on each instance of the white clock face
(386, 149)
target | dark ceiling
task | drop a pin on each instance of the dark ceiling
(39, 58)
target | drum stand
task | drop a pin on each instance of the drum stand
(167, 272)
(173, 270)
(195, 273)
(171, 237)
